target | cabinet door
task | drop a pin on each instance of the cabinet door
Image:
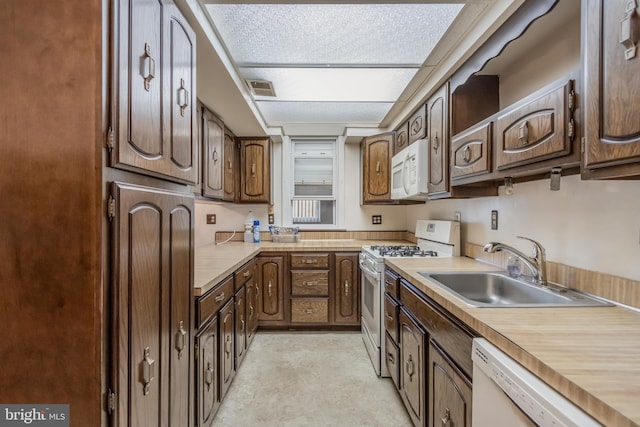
(212, 155)
(207, 401)
(612, 84)
(226, 354)
(229, 176)
(346, 296)
(271, 288)
(471, 152)
(438, 135)
(241, 326)
(152, 249)
(154, 119)
(412, 370)
(251, 309)
(255, 171)
(541, 129)
(402, 138)
(417, 125)
(377, 168)
(449, 391)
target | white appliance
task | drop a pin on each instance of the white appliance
(410, 172)
(435, 239)
(505, 394)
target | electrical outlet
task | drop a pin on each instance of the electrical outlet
(271, 219)
(494, 220)
(211, 218)
(458, 216)
(376, 219)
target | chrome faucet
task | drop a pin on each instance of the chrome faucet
(537, 262)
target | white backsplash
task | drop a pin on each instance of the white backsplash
(594, 225)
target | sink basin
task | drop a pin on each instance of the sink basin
(494, 289)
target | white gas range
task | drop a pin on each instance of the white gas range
(435, 239)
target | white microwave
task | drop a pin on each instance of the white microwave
(410, 172)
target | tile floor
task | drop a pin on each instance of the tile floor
(310, 379)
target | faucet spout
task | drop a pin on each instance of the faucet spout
(537, 263)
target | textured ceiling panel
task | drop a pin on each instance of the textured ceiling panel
(331, 33)
(278, 113)
(334, 84)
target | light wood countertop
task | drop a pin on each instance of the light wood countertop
(589, 354)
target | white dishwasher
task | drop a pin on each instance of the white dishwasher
(505, 394)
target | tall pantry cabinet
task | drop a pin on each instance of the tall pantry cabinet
(97, 129)
(153, 133)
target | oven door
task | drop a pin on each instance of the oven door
(371, 282)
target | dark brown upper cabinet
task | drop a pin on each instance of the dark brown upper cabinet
(255, 170)
(402, 138)
(376, 151)
(417, 125)
(213, 152)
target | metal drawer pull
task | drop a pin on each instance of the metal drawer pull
(246, 273)
(309, 310)
(628, 28)
(309, 283)
(229, 163)
(436, 142)
(214, 155)
(208, 375)
(227, 344)
(523, 133)
(219, 297)
(183, 98)
(269, 288)
(388, 317)
(446, 421)
(466, 154)
(242, 327)
(311, 261)
(147, 371)
(346, 288)
(181, 340)
(148, 67)
(390, 358)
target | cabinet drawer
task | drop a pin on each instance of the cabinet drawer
(310, 310)
(310, 283)
(391, 317)
(471, 152)
(391, 359)
(310, 260)
(538, 130)
(245, 273)
(211, 302)
(450, 336)
(391, 283)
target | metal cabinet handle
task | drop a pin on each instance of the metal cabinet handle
(436, 142)
(309, 310)
(346, 288)
(181, 339)
(242, 325)
(147, 370)
(183, 98)
(523, 133)
(246, 273)
(214, 155)
(269, 288)
(466, 154)
(377, 167)
(410, 368)
(388, 317)
(219, 297)
(446, 420)
(253, 169)
(309, 283)
(227, 345)
(229, 163)
(628, 29)
(250, 311)
(311, 261)
(208, 375)
(391, 358)
(148, 67)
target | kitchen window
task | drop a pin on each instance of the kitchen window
(313, 189)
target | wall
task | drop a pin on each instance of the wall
(594, 225)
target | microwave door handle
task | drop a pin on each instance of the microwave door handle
(404, 174)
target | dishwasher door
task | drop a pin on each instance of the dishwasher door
(505, 394)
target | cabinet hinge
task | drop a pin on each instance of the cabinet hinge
(111, 402)
(111, 139)
(583, 143)
(572, 100)
(111, 208)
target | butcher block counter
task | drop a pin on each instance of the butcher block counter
(591, 355)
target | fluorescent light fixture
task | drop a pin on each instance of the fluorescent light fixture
(277, 113)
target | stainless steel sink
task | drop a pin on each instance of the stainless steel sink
(494, 289)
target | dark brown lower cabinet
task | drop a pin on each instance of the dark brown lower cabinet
(251, 310)
(449, 391)
(207, 374)
(227, 335)
(271, 288)
(241, 326)
(413, 343)
(152, 342)
(346, 295)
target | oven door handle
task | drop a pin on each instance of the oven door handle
(366, 270)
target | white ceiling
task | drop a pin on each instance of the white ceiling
(365, 78)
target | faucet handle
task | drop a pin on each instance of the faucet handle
(538, 249)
